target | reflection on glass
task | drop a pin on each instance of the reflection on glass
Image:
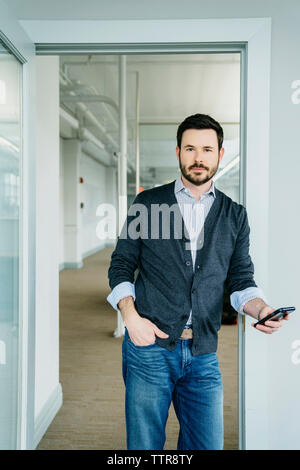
(227, 178)
(10, 160)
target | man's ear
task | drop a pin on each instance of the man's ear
(221, 153)
(177, 152)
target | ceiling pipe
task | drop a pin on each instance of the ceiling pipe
(91, 89)
(80, 86)
(88, 115)
(69, 85)
(89, 99)
(74, 123)
(93, 120)
(84, 134)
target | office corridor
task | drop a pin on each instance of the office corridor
(92, 415)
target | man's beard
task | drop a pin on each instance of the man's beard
(201, 178)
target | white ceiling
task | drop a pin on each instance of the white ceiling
(77, 9)
(172, 87)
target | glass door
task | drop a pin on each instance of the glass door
(10, 169)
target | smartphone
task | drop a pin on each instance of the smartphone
(276, 315)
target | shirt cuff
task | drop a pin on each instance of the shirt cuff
(122, 290)
(239, 298)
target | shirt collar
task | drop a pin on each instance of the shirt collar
(179, 186)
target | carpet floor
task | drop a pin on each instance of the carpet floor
(92, 414)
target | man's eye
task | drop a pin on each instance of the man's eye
(208, 150)
(189, 149)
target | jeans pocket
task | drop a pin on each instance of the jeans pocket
(140, 347)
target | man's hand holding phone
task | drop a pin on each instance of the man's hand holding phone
(271, 325)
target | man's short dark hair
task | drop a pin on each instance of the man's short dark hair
(200, 121)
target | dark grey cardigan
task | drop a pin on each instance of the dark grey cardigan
(167, 287)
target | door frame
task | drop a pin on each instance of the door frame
(197, 48)
(180, 36)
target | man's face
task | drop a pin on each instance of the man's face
(199, 156)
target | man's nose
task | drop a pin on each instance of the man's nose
(199, 157)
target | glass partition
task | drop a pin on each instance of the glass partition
(10, 165)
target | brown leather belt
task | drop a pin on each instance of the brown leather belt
(187, 333)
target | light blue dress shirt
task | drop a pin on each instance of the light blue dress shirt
(194, 213)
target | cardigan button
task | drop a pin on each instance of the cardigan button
(187, 263)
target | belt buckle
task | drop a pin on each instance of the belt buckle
(187, 333)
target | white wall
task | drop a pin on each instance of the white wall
(47, 230)
(72, 216)
(99, 186)
(92, 193)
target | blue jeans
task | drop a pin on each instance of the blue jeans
(153, 377)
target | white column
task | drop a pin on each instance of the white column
(123, 143)
(72, 216)
(111, 197)
(122, 166)
(47, 386)
(137, 136)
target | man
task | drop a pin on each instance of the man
(173, 312)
